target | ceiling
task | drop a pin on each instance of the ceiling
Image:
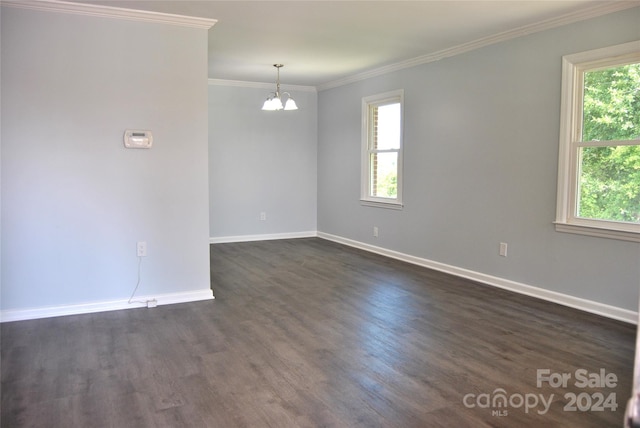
(324, 42)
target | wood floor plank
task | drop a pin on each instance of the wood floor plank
(310, 333)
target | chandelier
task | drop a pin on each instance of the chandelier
(274, 101)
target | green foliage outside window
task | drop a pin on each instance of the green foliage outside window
(610, 175)
(388, 186)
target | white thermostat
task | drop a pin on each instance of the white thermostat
(138, 139)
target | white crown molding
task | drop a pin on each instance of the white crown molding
(590, 306)
(593, 12)
(260, 85)
(9, 315)
(111, 12)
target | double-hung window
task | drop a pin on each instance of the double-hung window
(599, 159)
(382, 150)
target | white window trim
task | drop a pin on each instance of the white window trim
(570, 125)
(365, 198)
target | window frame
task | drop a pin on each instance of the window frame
(366, 198)
(573, 68)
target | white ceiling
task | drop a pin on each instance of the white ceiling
(323, 42)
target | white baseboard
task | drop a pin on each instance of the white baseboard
(86, 308)
(263, 237)
(529, 290)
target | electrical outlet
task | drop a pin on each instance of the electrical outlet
(263, 216)
(375, 231)
(503, 249)
(141, 249)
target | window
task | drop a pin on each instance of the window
(599, 160)
(382, 150)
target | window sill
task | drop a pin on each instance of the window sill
(380, 204)
(601, 232)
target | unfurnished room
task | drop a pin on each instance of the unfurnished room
(319, 213)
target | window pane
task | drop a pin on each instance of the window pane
(612, 104)
(386, 127)
(609, 183)
(384, 175)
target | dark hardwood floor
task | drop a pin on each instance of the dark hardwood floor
(309, 333)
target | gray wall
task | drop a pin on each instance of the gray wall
(74, 200)
(481, 151)
(261, 161)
